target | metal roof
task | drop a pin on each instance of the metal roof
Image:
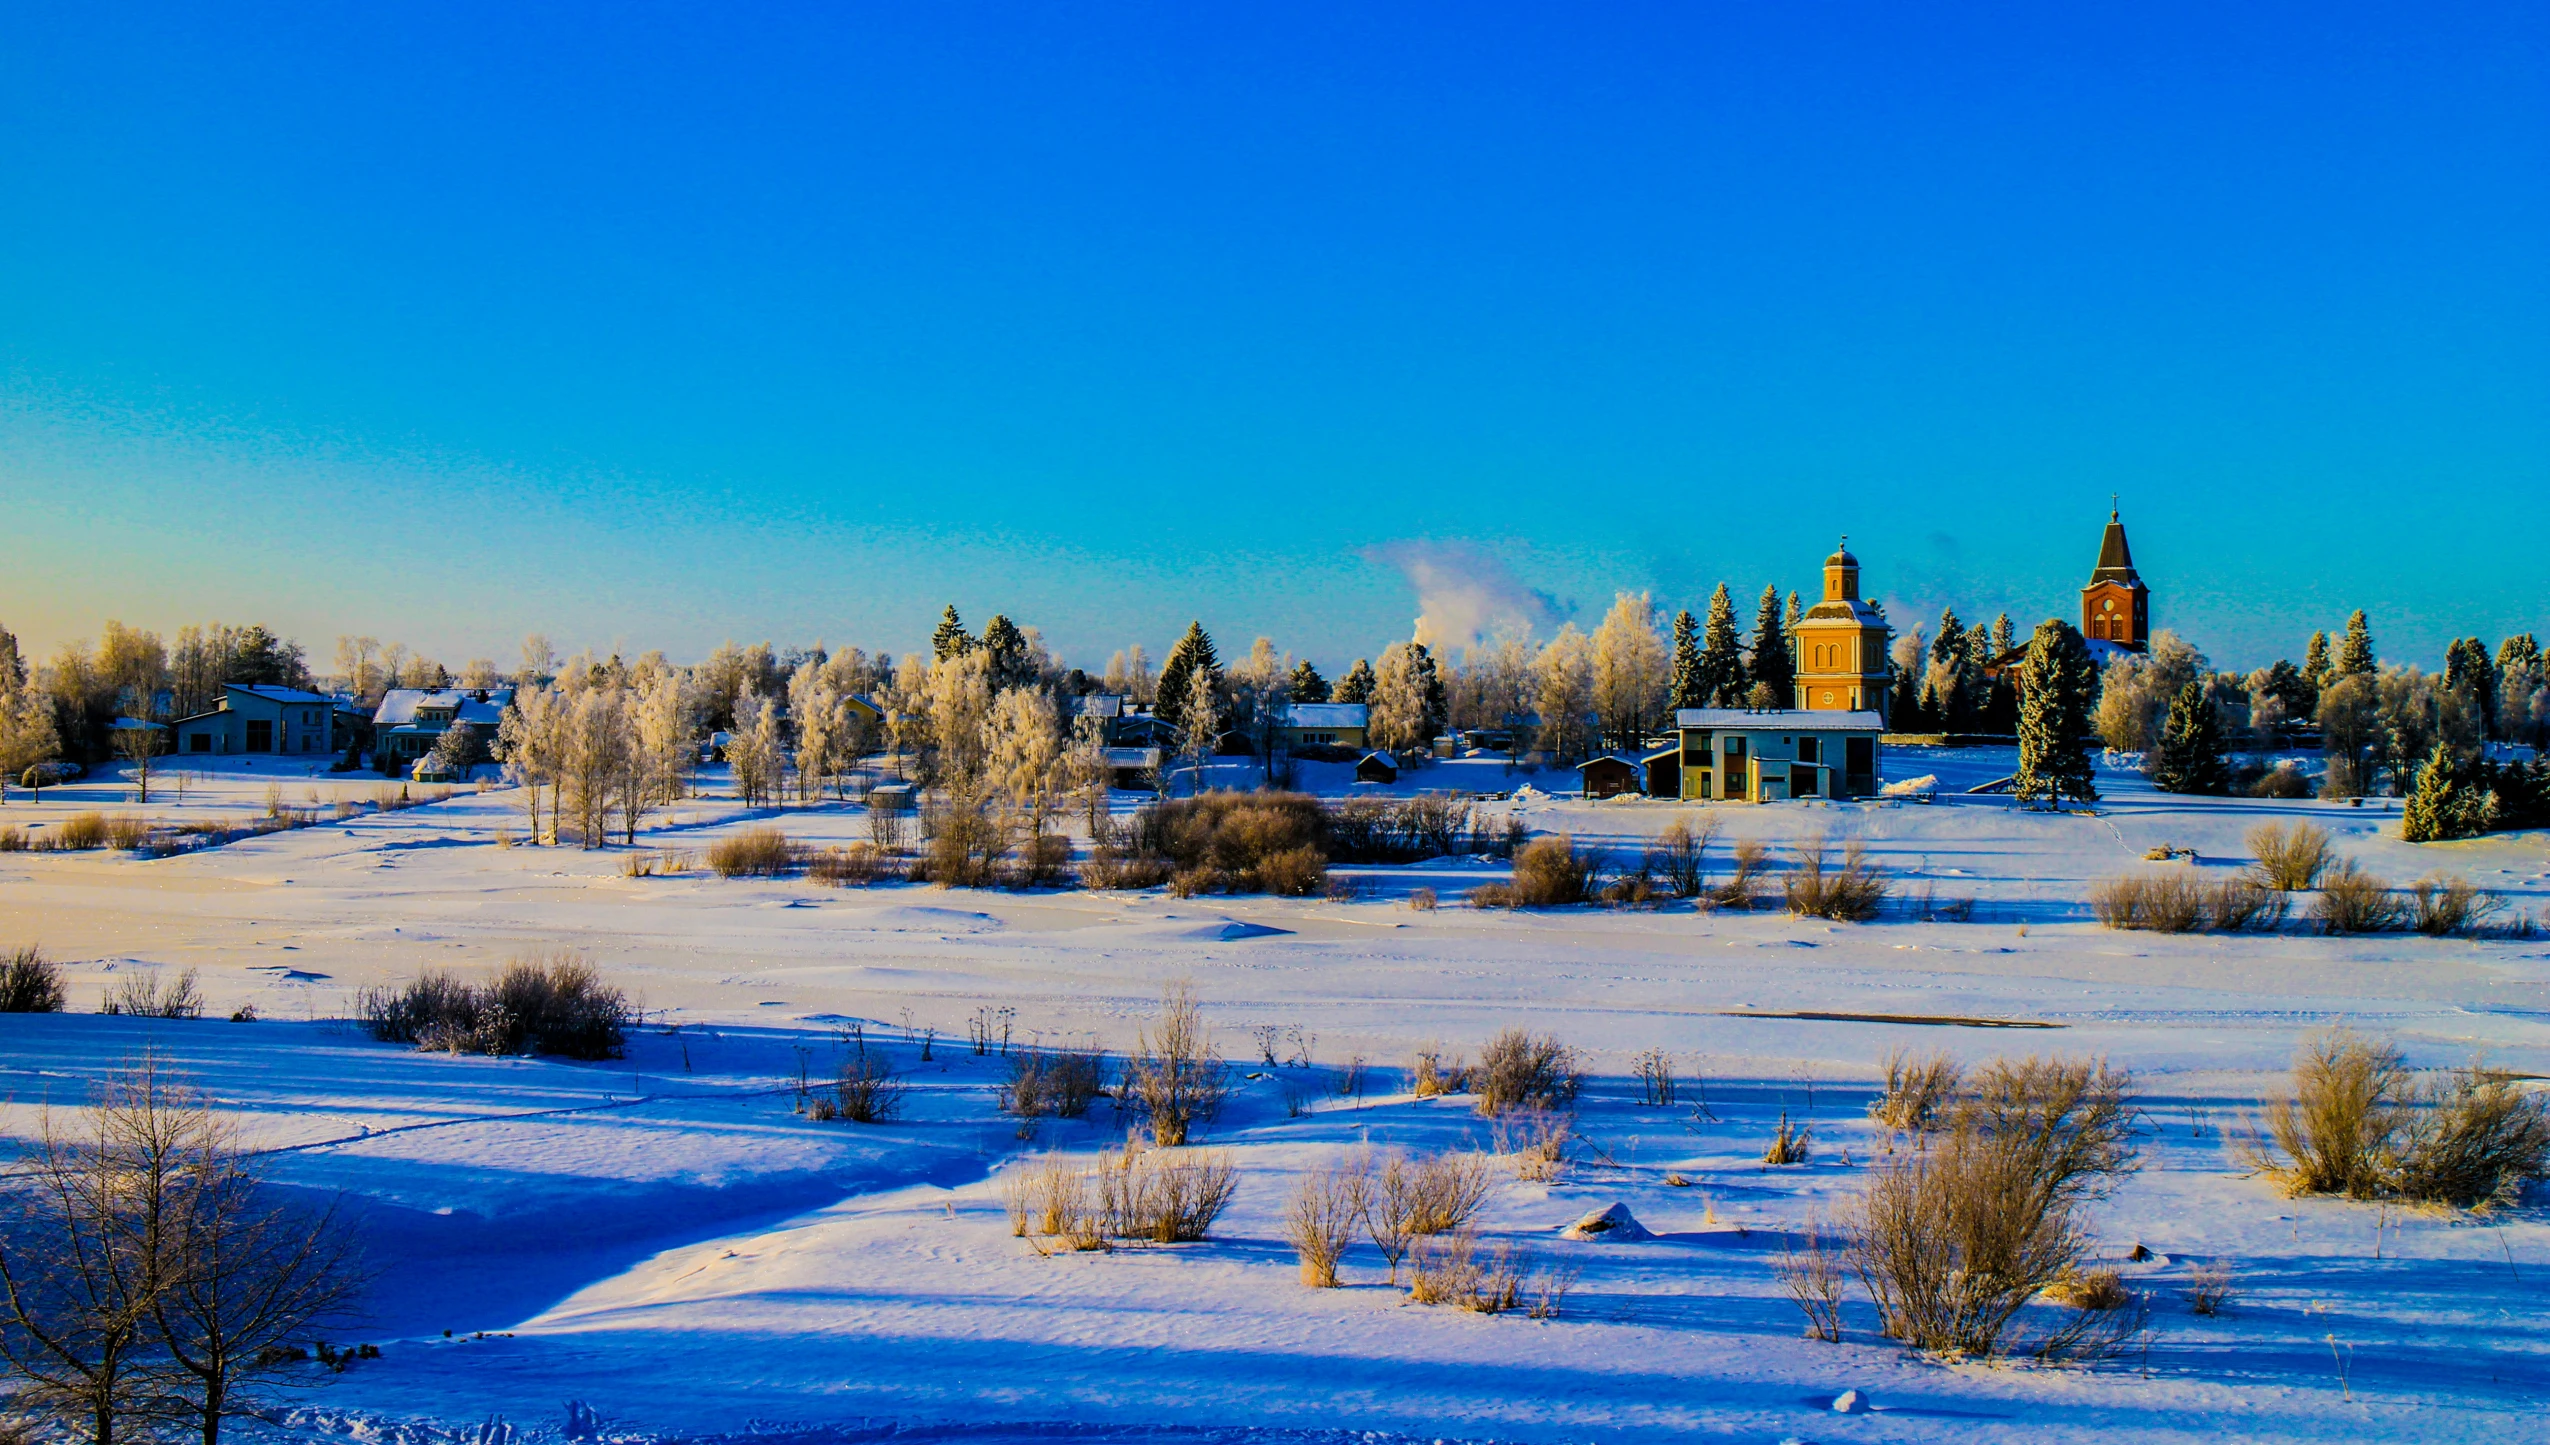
(1784, 719)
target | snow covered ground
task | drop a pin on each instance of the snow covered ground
(663, 1242)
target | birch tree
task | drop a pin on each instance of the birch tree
(1566, 670)
(1630, 670)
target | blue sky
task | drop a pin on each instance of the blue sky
(655, 325)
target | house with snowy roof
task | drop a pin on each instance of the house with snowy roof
(1767, 755)
(258, 718)
(410, 720)
(1326, 724)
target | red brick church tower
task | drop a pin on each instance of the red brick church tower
(2116, 607)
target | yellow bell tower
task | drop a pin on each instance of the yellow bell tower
(1841, 645)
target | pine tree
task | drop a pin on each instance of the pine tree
(2054, 718)
(1194, 653)
(1307, 684)
(2004, 637)
(2190, 758)
(1774, 666)
(1722, 654)
(2355, 650)
(2468, 671)
(950, 640)
(1795, 615)
(1356, 685)
(2451, 799)
(1686, 690)
(1007, 647)
(2315, 663)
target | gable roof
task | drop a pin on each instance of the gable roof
(1787, 719)
(1328, 714)
(273, 692)
(400, 705)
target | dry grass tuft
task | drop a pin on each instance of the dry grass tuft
(1519, 1070)
(127, 831)
(1422, 900)
(1165, 1196)
(1811, 1272)
(2157, 903)
(1743, 888)
(2208, 1290)
(2099, 1289)
(756, 852)
(80, 832)
(856, 866)
(553, 1003)
(1680, 857)
(1790, 1144)
(868, 1091)
(1851, 894)
(1536, 1140)
(31, 983)
(2290, 859)
(1175, 1075)
(1430, 1076)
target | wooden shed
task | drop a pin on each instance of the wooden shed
(1610, 775)
(1376, 768)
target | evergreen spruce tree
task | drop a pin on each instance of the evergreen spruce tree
(1722, 654)
(2190, 759)
(2468, 671)
(1007, 647)
(1946, 694)
(1429, 680)
(2054, 718)
(1307, 684)
(2355, 650)
(2453, 799)
(950, 640)
(2316, 666)
(2004, 637)
(1774, 666)
(1194, 653)
(1687, 691)
(1357, 684)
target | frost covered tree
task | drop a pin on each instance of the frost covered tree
(1722, 654)
(531, 733)
(1407, 698)
(538, 657)
(957, 700)
(1193, 654)
(2523, 692)
(27, 738)
(1908, 712)
(13, 663)
(1685, 689)
(1356, 686)
(950, 639)
(1566, 698)
(2190, 758)
(1201, 715)
(2316, 667)
(1023, 749)
(2350, 732)
(1630, 670)
(1129, 675)
(1307, 685)
(1260, 689)
(2137, 690)
(753, 750)
(1086, 768)
(2472, 679)
(459, 749)
(2054, 719)
(2355, 650)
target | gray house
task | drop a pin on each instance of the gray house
(411, 720)
(258, 718)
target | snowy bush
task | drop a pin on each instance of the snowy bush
(1520, 1070)
(2290, 859)
(1851, 894)
(761, 852)
(550, 1004)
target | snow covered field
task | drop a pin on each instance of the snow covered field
(664, 1242)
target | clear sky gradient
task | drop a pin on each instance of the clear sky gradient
(657, 325)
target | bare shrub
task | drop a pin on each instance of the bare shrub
(2285, 781)
(13, 839)
(2209, 1289)
(1811, 1272)
(1551, 872)
(966, 847)
(1176, 1076)
(1918, 1091)
(1743, 888)
(1292, 873)
(2336, 1135)
(80, 832)
(1421, 900)
(1654, 1071)
(868, 1090)
(755, 852)
(1520, 1070)
(553, 1003)
(2354, 901)
(1790, 1144)
(2476, 1141)
(141, 993)
(127, 831)
(1851, 894)
(2157, 903)
(2243, 905)
(1536, 1140)
(31, 983)
(2442, 907)
(1327, 1208)
(855, 866)
(1109, 868)
(2290, 859)
(1680, 857)
(1165, 1196)
(1042, 859)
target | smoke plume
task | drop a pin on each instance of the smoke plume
(1465, 595)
